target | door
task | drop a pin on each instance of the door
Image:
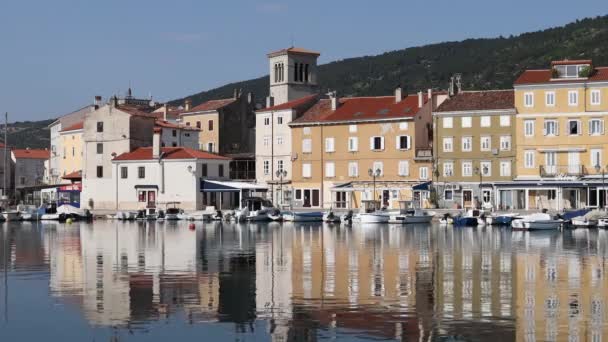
(306, 199)
(340, 199)
(315, 198)
(151, 199)
(467, 198)
(385, 198)
(551, 163)
(573, 163)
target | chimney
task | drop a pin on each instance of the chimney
(165, 111)
(250, 98)
(187, 104)
(156, 143)
(429, 95)
(398, 94)
(333, 96)
(269, 101)
(420, 100)
(97, 102)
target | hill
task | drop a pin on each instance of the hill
(491, 63)
(24, 134)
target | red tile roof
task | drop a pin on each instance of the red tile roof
(74, 127)
(479, 100)
(291, 104)
(145, 153)
(572, 62)
(137, 111)
(211, 105)
(31, 154)
(293, 50)
(362, 108)
(544, 76)
(73, 175)
(166, 124)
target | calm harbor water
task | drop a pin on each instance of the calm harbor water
(113, 281)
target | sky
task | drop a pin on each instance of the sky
(56, 55)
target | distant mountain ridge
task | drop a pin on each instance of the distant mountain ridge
(489, 63)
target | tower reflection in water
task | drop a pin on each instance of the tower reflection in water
(302, 281)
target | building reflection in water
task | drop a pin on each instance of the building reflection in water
(308, 281)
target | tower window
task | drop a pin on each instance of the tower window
(301, 72)
(295, 72)
(306, 73)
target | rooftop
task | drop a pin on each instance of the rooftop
(74, 127)
(572, 62)
(31, 154)
(74, 175)
(145, 153)
(291, 104)
(540, 76)
(211, 105)
(166, 124)
(478, 100)
(294, 49)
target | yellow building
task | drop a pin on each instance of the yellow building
(561, 139)
(339, 143)
(71, 146)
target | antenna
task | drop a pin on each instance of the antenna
(292, 40)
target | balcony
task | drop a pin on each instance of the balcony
(425, 153)
(560, 171)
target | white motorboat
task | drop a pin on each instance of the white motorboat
(331, 217)
(602, 222)
(537, 221)
(583, 222)
(374, 217)
(446, 220)
(11, 215)
(412, 216)
(501, 219)
(148, 214)
(293, 216)
(29, 212)
(173, 214)
(254, 209)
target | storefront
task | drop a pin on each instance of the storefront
(552, 195)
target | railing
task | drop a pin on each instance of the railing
(424, 153)
(562, 170)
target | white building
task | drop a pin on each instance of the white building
(153, 176)
(174, 135)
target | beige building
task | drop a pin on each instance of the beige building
(71, 149)
(474, 147)
(561, 139)
(340, 142)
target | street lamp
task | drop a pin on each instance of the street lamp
(374, 174)
(281, 173)
(597, 169)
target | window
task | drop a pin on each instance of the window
(551, 128)
(141, 172)
(485, 121)
(505, 121)
(330, 169)
(99, 171)
(404, 168)
(280, 165)
(353, 169)
(267, 140)
(574, 127)
(403, 126)
(528, 100)
(210, 147)
(73, 151)
(187, 123)
(448, 144)
(329, 145)
(596, 157)
(141, 196)
(306, 130)
(572, 97)
(550, 98)
(448, 195)
(403, 142)
(485, 167)
(485, 143)
(266, 121)
(448, 169)
(306, 171)
(220, 170)
(353, 144)
(279, 120)
(505, 143)
(423, 172)
(203, 170)
(210, 124)
(448, 122)
(266, 167)
(596, 126)
(174, 133)
(595, 97)
(569, 71)
(378, 165)
(529, 128)
(467, 169)
(280, 140)
(124, 172)
(376, 143)
(99, 126)
(466, 122)
(298, 194)
(505, 168)
(467, 144)
(198, 125)
(529, 157)
(306, 146)
(352, 128)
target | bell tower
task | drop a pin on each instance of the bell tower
(293, 74)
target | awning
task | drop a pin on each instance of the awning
(219, 186)
(144, 186)
(540, 183)
(422, 186)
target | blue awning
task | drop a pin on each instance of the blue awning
(422, 186)
(218, 186)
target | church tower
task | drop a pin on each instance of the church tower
(293, 74)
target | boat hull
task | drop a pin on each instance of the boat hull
(405, 219)
(11, 215)
(303, 217)
(374, 218)
(466, 221)
(537, 225)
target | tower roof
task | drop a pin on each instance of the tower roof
(294, 50)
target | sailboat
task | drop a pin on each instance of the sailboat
(7, 214)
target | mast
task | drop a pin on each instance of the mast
(4, 192)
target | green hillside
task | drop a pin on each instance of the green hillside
(24, 134)
(483, 63)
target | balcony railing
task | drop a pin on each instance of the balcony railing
(562, 170)
(424, 153)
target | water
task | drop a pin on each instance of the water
(112, 281)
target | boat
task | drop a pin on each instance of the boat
(254, 209)
(412, 216)
(275, 215)
(331, 217)
(172, 212)
(29, 212)
(71, 212)
(147, 214)
(446, 220)
(126, 215)
(583, 222)
(374, 217)
(472, 217)
(501, 219)
(536, 221)
(293, 216)
(11, 215)
(602, 222)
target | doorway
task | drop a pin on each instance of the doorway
(306, 198)
(385, 198)
(467, 198)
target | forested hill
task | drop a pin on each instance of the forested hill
(483, 63)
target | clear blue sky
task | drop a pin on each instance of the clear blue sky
(55, 55)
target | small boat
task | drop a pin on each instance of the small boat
(374, 217)
(602, 222)
(29, 212)
(148, 214)
(292, 216)
(11, 215)
(412, 216)
(583, 222)
(126, 215)
(330, 217)
(537, 221)
(446, 220)
(275, 215)
(472, 218)
(254, 209)
(501, 219)
(172, 212)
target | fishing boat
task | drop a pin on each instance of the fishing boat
(537, 221)
(373, 217)
(331, 217)
(293, 216)
(254, 209)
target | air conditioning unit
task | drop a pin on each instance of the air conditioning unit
(494, 151)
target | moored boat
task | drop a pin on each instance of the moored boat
(11, 215)
(331, 217)
(537, 221)
(412, 216)
(583, 222)
(293, 216)
(374, 217)
(501, 219)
